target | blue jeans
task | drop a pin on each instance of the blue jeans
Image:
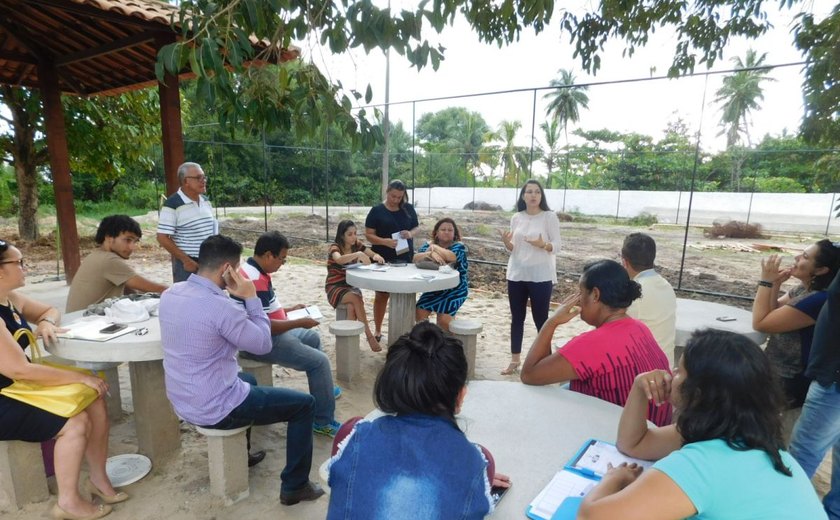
(300, 349)
(518, 295)
(179, 274)
(269, 405)
(817, 430)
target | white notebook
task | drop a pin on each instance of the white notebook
(307, 312)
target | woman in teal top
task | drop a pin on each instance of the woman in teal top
(724, 457)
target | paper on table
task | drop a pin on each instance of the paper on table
(565, 484)
(598, 455)
(402, 244)
(88, 329)
(375, 267)
(307, 312)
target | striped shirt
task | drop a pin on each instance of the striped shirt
(265, 289)
(187, 222)
(201, 331)
(608, 359)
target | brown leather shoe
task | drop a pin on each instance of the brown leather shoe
(311, 491)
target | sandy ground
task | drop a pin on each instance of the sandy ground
(179, 488)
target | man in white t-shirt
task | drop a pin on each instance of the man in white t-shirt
(657, 308)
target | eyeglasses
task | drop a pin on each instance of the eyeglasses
(199, 178)
(20, 262)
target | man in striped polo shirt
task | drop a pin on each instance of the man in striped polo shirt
(186, 219)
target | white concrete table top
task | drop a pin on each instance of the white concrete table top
(128, 347)
(532, 432)
(403, 282)
(402, 279)
(157, 426)
(693, 315)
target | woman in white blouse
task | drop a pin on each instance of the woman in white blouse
(533, 242)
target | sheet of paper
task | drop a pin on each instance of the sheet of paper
(307, 312)
(374, 267)
(564, 484)
(88, 329)
(596, 457)
(402, 244)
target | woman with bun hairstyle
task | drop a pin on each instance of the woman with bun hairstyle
(416, 461)
(602, 362)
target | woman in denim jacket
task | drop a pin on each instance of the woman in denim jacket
(416, 461)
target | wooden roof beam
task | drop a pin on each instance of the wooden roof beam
(115, 46)
(18, 57)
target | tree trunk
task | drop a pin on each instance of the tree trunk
(27, 199)
(23, 105)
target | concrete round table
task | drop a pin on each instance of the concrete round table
(157, 425)
(694, 315)
(403, 282)
(532, 432)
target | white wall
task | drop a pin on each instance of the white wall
(805, 212)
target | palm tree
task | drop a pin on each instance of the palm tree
(507, 134)
(565, 103)
(739, 95)
(551, 134)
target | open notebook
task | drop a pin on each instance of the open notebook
(96, 329)
(561, 498)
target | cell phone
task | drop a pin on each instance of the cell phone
(497, 492)
(110, 329)
(726, 318)
(398, 263)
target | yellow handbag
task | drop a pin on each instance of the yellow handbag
(64, 400)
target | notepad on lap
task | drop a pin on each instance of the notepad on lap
(307, 312)
(561, 498)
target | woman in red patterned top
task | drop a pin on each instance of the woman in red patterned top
(603, 362)
(348, 249)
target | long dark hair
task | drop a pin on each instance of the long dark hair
(520, 203)
(731, 392)
(343, 226)
(614, 284)
(424, 371)
(828, 256)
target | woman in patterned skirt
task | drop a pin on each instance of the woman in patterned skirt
(348, 249)
(445, 248)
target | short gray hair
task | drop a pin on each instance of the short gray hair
(182, 170)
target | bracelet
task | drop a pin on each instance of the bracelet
(48, 320)
(765, 283)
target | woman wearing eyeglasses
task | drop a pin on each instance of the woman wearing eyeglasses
(82, 436)
(533, 241)
(394, 216)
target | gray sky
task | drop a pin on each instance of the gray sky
(645, 107)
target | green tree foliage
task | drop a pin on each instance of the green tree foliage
(510, 155)
(565, 104)
(739, 95)
(453, 139)
(105, 136)
(550, 148)
(216, 46)
(819, 41)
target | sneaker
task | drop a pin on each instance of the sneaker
(330, 429)
(337, 392)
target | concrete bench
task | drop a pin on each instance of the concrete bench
(467, 331)
(227, 455)
(22, 476)
(341, 311)
(262, 372)
(347, 357)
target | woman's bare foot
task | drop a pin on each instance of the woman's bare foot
(372, 341)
